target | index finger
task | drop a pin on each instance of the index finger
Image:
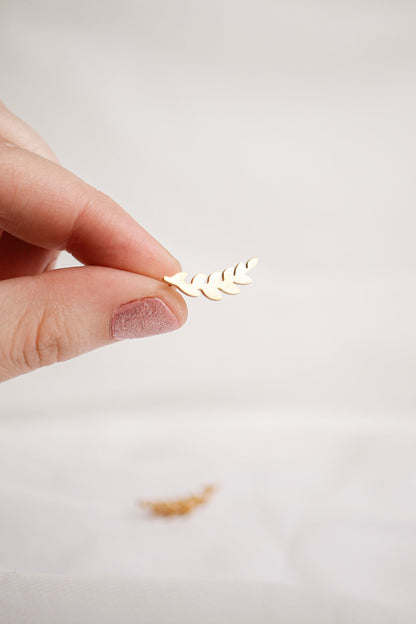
(45, 205)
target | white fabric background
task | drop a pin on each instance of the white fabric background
(229, 129)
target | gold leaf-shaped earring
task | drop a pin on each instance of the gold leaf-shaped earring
(216, 282)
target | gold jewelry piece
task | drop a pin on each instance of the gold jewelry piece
(225, 281)
(179, 506)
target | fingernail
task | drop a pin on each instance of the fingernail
(142, 317)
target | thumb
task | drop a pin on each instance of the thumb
(60, 314)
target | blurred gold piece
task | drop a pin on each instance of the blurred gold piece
(180, 506)
(225, 281)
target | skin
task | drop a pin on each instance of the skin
(49, 316)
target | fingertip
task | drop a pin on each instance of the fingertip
(174, 301)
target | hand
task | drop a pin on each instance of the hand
(48, 316)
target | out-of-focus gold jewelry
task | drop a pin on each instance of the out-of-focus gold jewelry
(224, 281)
(179, 506)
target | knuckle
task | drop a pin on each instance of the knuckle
(94, 207)
(41, 340)
(7, 151)
(86, 206)
(51, 342)
(11, 167)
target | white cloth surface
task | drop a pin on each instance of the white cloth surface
(31, 599)
(323, 503)
(229, 129)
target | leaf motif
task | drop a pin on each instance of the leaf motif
(198, 280)
(215, 279)
(189, 289)
(251, 263)
(211, 292)
(229, 288)
(240, 276)
(227, 284)
(242, 280)
(240, 269)
(178, 280)
(228, 274)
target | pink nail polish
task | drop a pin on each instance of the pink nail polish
(142, 317)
